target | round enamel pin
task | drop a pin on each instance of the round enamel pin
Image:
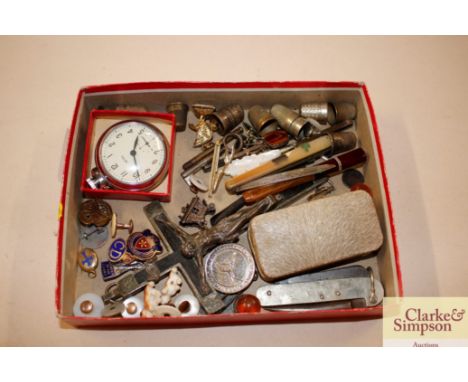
(117, 249)
(88, 261)
(144, 245)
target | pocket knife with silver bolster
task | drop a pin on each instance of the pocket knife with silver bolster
(282, 199)
(340, 162)
(285, 176)
(347, 287)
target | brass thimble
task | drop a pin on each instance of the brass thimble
(262, 120)
(179, 109)
(227, 118)
(292, 122)
(345, 111)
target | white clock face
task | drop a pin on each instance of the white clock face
(132, 153)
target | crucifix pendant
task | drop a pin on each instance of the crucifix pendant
(211, 300)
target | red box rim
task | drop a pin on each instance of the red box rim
(223, 319)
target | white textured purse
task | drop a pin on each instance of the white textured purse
(314, 235)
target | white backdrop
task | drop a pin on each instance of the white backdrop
(418, 88)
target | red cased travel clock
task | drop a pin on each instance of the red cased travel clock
(131, 152)
(133, 155)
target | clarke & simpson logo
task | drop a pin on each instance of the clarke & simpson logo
(425, 321)
(422, 322)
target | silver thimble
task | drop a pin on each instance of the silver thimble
(322, 112)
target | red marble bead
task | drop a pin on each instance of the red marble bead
(247, 303)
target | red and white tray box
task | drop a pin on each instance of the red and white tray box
(71, 282)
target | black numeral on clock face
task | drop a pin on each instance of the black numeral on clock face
(154, 162)
(115, 166)
(119, 135)
(147, 171)
(130, 131)
(111, 144)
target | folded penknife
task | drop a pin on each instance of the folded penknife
(347, 287)
(284, 176)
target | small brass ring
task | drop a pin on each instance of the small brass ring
(108, 289)
(92, 274)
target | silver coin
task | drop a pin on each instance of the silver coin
(229, 268)
(93, 237)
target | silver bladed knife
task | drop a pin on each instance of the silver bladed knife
(284, 176)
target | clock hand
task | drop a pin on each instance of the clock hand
(133, 154)
(135, 144)
(147, 143)
(136, 166)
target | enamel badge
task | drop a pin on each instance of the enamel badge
(144, 246)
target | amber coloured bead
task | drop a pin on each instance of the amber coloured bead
(247, 303)
(363, 187)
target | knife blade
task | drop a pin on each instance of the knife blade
(284, 176)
